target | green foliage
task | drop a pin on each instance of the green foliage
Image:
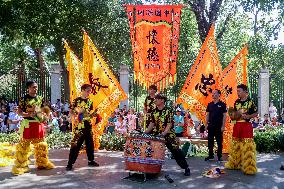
(11, 138)
(272, 140)
(190, 150)
(57, 139)
(26, 25)
(112, 142)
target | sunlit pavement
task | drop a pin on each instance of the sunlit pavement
(111, 172)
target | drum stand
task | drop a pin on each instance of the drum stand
(130, 175)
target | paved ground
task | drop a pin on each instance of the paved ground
(111, 173)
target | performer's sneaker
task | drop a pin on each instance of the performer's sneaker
(93, 164)
(209, 158)
(187, 172)
(69, 167)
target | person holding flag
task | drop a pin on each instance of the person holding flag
(82, 112)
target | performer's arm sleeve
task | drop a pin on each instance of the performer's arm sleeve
(207, 109)
(252, 108)
(21, 106)
(225, 108)
(169, 119)
(73, 106)
(235, 107)
(92, 107)
(151, 125)
(207, 116)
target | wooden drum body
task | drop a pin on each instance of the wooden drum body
(144, 153)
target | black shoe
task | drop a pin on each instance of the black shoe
(220, 159)
(93, 164)
(282, 167)
(69, 167)
(187, 172)
(209, 158)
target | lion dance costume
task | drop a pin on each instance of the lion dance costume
(32, 132)
(242, 154)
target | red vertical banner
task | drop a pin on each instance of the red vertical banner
(154, 33)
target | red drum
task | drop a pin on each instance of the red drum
(144, 153)
(34, 131)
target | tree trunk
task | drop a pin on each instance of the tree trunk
(40, 60)
(205, 18)
(64, 73)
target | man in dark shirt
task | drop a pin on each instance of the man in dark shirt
(215, 123)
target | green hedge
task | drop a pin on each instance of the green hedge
(270, 140)
(55, 140)
(11, 138)
(112, 142)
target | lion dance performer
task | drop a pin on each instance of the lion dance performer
(32, 132)
(82, 112)
(242, 154)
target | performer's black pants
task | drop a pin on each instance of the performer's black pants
(87, 136)
(215, 132)
(177, 154)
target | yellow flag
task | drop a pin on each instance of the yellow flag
(75, 72)
(106, 90)
(233, 75)
(203, 78)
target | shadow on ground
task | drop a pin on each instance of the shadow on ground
(111, 174)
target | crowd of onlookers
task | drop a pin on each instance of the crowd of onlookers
(270, 119)
(124, 120)
(10, 120)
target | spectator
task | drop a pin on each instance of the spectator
(14, 120)
(202, 131)
(120, 125)
(59, 106)
(256, 121)
(11, 106)
(66, 108)
(124, 109)
(131, 119)
(3, 127)
(111, 123)
(272, 111)
(266, 120)
(282, 118)
(55, 121)
(178, 123)
(274, 122)
(65, 123)
(189, 126)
